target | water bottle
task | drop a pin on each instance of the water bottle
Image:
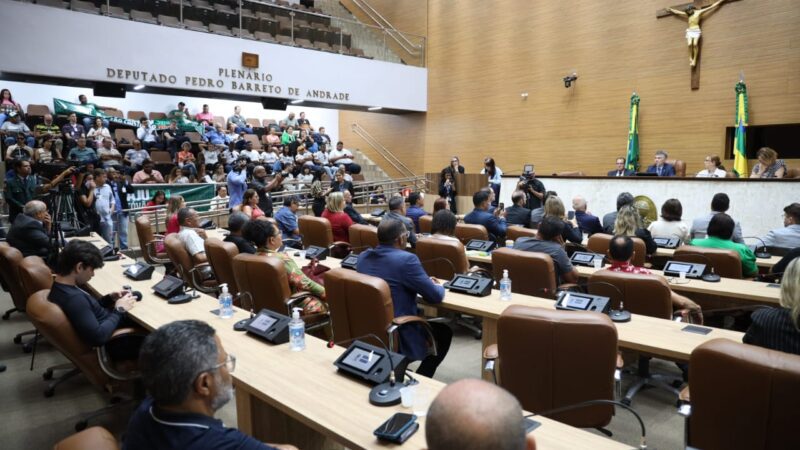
(225, 303)
(505, 287)
(297, 332)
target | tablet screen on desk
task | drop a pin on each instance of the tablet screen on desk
(577, 302)
(661, 241)
(262, 322)
(678, 267)
(464, 282)
(583, 257)
(361, 359)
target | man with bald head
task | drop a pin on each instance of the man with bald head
(29, 232)
(472, 414)
(587, 222)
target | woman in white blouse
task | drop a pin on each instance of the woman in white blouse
(712, 169)
(98, 133)
(670, 224)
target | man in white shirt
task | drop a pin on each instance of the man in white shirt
(136, 156)
(269, 158)
(211, 157)
(250, 153)
(109, 156)
(788, 236)
(192, 239)
(147, 134)
(230, 156)
(104, 204)
(344, 157)
(322, 159)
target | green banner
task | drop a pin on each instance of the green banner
(64, 107)
(143, 193)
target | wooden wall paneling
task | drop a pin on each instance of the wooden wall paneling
(407, 16)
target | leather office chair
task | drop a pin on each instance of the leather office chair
(648, 295)
(362, 236)
(150, 243)
(725, 263)
(600, 242)
(362, 304)
(317, 231)
(426, 224)
(575, 361)
(220, 256)
(53, 324)
(265, 279)
(10, 260)
(466, 232)
(189, 272)
(515, 232)
(442, 258)
(532, 273)
(34, 275)
(680, 166)
(95, 438)
(743, 397)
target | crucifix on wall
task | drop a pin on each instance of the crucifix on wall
(693, 12)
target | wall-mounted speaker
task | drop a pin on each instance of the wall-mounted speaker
(274, 103)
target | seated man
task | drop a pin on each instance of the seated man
(720, 203)
(81, 153)
(588, 223)
(495, 222)
(29, 232)
(147, 134)
(236, 223)
(621, 171)
(110, 158)
(406, 278)
(185, 392)
(94, 320)
(287, 219)
(136, 156)
(624, 198)
(416, 200)
(789, 235)
(548, 240)
(148, 175)
(397, 211)
(661, 168)
(474, 414)
(720, 231)
(14, 127)
(518, 214)
(19, 150)
(354, 215)
(620, 253)
(192, 235)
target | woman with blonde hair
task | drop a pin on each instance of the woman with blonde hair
(768, 166)
(174, 203)
(779, 328)
(340, 221)
(554, 207)
(629, 223)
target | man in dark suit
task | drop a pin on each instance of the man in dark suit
(588, 223)
(517, 214)
(495, 222)
(407, 279)
(29, 232)
(661, 168)
(621, 171)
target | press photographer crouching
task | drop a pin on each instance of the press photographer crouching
(30, 231)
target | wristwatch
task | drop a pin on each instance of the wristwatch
(121, 309)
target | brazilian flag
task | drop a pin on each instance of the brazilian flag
(739, 149)
(632, 158)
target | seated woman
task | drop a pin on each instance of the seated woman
(629, 223)
(554, 207)
(174, 204)
(440, 204)
(779, 328)
(249, 205)
(670, 225)
(159, 199)
(768, 166)
(340, 221)
(713, 168)
(443, 225)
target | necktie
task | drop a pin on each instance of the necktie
(659, 170)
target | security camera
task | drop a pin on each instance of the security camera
(569, 79)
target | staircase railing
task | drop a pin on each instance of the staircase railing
(389, 29)
(383, 151)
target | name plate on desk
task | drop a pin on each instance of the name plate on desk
(481, 245)
(663, 242)
(466, 284)
(270, 326)
(692, 270)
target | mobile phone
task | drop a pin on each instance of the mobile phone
(571, 215)
(501, 205)
(398, 428)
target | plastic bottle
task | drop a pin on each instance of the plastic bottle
(297, 332)
(225, 303)
(505, 287)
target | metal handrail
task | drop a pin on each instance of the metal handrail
(387, 27)
(383, 151)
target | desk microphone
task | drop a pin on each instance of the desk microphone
(709, 277)
(240, 325)
(616, 315)
(765, 254)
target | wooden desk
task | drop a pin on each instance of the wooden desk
(297, 397)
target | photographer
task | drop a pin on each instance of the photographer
(533, 188)
(260, 184)
(29, 231)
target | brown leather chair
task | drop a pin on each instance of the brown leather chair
(725, 263)
(648, 295)
(95, 438)
(362, 236)
(442, 258)
(575, 361)
(220, 256)
(743, 397)
(515, 232)
(466, 232)
(426, 224)
(190, 272)
(793, 172)
(34, 275)
(362, 304)
(53, 324)
(150, 242)
(10, 259)
(532, 273)
(600, 242)
(680, 166)
(317, 231)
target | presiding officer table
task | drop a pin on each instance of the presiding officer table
(297, 397)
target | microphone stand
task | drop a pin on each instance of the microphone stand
(240, 325)
(763, 254)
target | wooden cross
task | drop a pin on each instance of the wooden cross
(697, 4)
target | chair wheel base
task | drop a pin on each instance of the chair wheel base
(48, 375)
(27, 348)
(49, 392)
(626, 401)
(478, 336)
(80, 426)
(17, 339)
(6, 316)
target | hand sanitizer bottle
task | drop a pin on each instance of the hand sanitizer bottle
(297, 332)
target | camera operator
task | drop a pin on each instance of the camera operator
(29, 231)
(533, 188)
(22, 186)
(263, 187)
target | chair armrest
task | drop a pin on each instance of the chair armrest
(399, 321)
(126, 331)
(107, 366)
(150, 248)
(296, 298)
(198, 284)
(490, 353)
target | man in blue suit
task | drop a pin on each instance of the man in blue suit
(661, 168)
(495, 222)
(621, 171)
(407, 279)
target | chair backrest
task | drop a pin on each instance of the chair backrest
(53, 324)
(575, 359)
(34, 275)
(10, 259)
(160, 156)
(466, 232)
(726, 263)
(680, 166)
(516, 232)
(96, 438)
(363, 236)
(442, 258)
(264, 277)
(144, 231)
(599, 243)
(179, 257)
(649, 295)
(762, 412)
(425, 223)
(136, 115)
(315, 230)
(220, 256)
(38, 110)
(359, 304)
(793, 172)
(531, 273)
(156, 115)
